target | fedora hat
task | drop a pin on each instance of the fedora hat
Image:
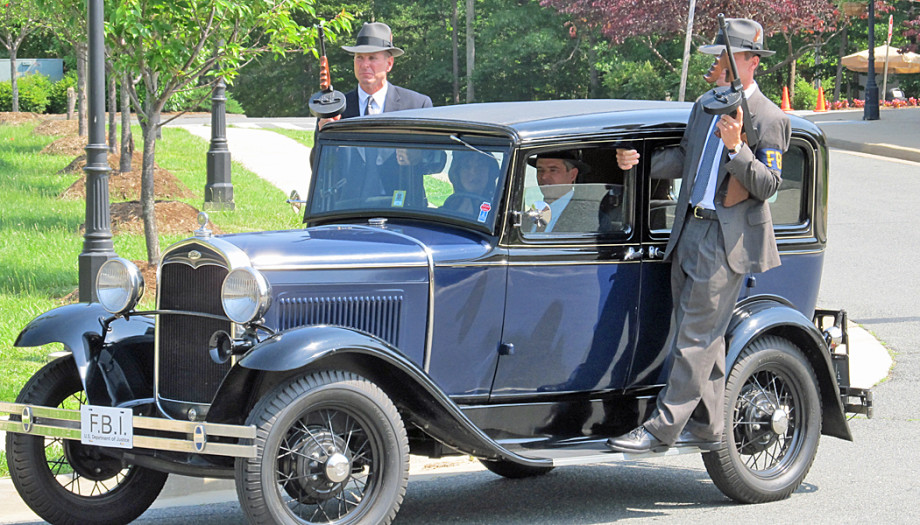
(743, 35)
(566, 155)
(374, 37)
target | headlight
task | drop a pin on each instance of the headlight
(119, 285)
(245, 295)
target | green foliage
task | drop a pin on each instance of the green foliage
(58, 94)
(806, 96)
(198, 99)
(648, 80)
(34, 91)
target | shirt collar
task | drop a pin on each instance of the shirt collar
(380, 96)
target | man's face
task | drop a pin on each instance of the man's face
(371, 69)
(746, 68)
(554, 177)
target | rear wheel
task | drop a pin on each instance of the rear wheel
(773, 423)
(507, 469)
(64, 481)
(332, 448)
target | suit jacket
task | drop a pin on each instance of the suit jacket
(747, 227)
(398, 98)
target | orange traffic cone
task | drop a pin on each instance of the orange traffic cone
(786, 106)
(821, 106)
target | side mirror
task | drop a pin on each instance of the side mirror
(539, 215)
(295, 201)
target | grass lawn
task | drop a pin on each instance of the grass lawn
(39, 232)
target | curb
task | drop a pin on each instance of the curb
(883, 150)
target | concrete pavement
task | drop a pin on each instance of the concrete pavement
(283, 162)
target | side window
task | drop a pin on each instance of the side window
(575, 192)
(788, 204)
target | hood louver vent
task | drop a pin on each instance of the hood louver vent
(377, 314)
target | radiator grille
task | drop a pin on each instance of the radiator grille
(377, 314)
(186, 371)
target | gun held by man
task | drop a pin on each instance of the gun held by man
(326, 103)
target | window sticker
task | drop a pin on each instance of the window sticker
(399, 198)
(484, 209)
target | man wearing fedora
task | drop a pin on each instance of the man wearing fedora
(722, 230)
(374, 53)
(556, 175)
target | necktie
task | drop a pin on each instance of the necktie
(705, 171)
(371, 107)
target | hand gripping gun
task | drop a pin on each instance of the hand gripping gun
(725, 100)
(326, 103)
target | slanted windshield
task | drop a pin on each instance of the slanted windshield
(457, 182)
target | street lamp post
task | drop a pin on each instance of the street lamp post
(218, 191)
(97, 238)
(870, 110)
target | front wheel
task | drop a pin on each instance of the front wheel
(772, 424)
(64, 481)
(332, 448)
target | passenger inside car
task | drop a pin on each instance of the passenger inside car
(473, 176)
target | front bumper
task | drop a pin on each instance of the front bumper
(149, 432)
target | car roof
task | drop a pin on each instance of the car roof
(536, 120)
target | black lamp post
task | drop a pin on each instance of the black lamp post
(218, 191)
(97, 238)
(870, 110)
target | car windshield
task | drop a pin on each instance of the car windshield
(459, 182)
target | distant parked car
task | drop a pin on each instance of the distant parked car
(432, 305)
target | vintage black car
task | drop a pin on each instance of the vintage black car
(434, 304)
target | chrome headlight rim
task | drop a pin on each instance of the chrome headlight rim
(119, 285)
(245, 295)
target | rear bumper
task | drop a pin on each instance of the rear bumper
(149, 433)
(855, 400)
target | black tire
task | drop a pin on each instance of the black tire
(510, 470)
(772, 424)
(308, 427)
(97, 488)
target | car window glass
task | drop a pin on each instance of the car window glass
(459, 183)
(582, 193)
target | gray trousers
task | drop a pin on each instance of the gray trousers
(704, 290)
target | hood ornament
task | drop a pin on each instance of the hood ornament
(203, 220)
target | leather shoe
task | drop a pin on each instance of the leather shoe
(689, 439)
(636, 441)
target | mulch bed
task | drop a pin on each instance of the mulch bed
(71, 145)
(56, 127)
(127, 186)
(20, 117)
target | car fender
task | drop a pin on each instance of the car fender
(81, 328)
(760, 316)
(299, 351)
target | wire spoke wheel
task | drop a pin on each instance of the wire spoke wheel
(64, 481)
(333, 449)
(773, 424)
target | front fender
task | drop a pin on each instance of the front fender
(80, 328)
(760, 316)
(299, 351)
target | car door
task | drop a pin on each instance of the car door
(572, 295)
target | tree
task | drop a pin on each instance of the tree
(174, 45)
(18, 20)
(67, 20)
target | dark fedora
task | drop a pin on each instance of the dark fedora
(374, 37)
(566, 155)
(743, 35)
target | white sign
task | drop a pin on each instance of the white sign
(106, 426)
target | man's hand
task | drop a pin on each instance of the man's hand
(322, 122)
(729, 129)
(627, 158)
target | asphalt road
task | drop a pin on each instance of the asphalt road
(869, 270)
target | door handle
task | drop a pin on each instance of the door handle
(632, 254)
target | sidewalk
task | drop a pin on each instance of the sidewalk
(896, 134)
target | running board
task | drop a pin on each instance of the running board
(583, 452)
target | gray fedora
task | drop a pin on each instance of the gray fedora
(374, 37)
(743, 35)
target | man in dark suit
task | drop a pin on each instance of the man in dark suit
(570, 210)
(722, 231)
(374, 53)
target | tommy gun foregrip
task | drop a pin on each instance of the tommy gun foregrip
(726, 100)
(326, 103)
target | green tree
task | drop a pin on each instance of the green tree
(67, 20)
(175, 45)
(18, 20)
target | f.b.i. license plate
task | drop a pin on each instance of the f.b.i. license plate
(106, 426)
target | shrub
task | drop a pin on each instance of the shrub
(58, 93)
(33, 93)
(806, 96)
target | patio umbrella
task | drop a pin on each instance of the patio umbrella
(897, 62)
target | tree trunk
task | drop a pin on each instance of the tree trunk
(147, 195)
(791, 71)
(113, 109)
(455, 43)
(127, 140)
(14, 82)
(82, 123)
(470, 50)
(594, 81)
(841, 52)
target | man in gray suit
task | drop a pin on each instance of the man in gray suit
(374, 53)
(722, 231)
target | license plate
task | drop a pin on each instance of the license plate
(106, 426)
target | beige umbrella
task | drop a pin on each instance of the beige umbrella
(897, 62)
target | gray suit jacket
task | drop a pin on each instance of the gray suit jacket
(747, 227)
(398, 98)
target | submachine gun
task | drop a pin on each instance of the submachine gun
(726, 100)
(326, 103)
